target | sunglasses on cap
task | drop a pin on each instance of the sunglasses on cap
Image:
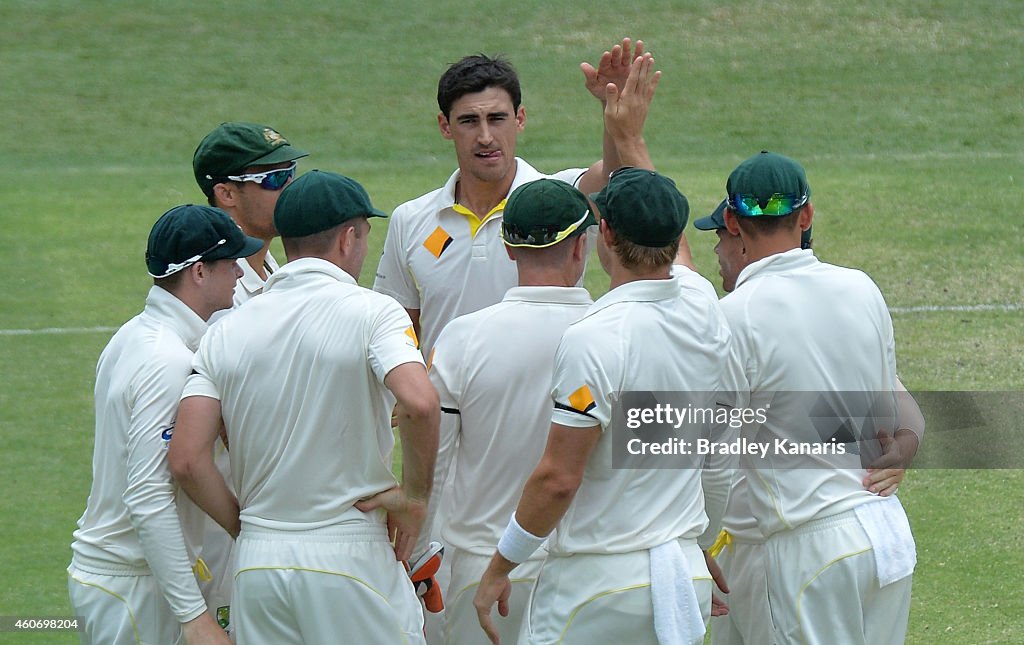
(538, 236)
(174, 267)
(777, 204)
(269, 180)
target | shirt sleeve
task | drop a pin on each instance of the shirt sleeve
(571, 176)
(200, 382)
(581, 389)
(150, 492)
(392, 339)
(394, 275)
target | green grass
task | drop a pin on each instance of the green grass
(907, 115)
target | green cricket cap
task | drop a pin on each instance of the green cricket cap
(194, 233)
(715, 220)
(643, 206)
(544, 212)
(236, 145)
(766, 175)
(320, 200)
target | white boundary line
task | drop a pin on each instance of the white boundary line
(922, 309)
(948, 308)
(57, 330)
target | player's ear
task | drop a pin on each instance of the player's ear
(607, 234)
(444, 125)
(579, 249)
(510, 252)
(731, 223)
(805, 216)
(521, 118)
(225, 194)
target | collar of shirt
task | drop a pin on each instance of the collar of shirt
(302, 272)
(524, 173)
(777, 263)
(168, 309)
(554, 295)
(250, 280)
(638, 291)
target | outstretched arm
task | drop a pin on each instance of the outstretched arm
(613, 69)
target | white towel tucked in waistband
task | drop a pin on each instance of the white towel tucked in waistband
(677, 616)
(888, 529)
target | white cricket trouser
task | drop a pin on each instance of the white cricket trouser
(587, 598)
(823, 587)
(121, 610)
(341, 584)
(463, 626)
(749, 619)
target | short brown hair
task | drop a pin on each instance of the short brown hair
(644, 258)
(757, 226)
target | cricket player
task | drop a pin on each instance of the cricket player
(241, 167)
(739, 548)
(131, 576)
(837, 558)
(303, 379)
(495, 396)
(443, 256)
(624, 565)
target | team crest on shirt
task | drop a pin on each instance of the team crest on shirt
(582, 400)
(438, 242)
(167, 433)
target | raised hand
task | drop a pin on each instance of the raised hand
(613, 67)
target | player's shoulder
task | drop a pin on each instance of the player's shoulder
(427, 204)
(464, 329)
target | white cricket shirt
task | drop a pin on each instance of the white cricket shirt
(299, 373)
(492, 369)
(648, 335)
(802, 325)
(130, 525)
(434, 262)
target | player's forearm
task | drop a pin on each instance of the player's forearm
(418, 429)
(547, 495)
(163, 546)
(203, 483)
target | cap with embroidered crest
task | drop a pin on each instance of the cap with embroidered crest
(236, 145)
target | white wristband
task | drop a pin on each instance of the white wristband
(516, 544)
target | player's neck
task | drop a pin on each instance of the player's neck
(481, 196)
(620, 275)
(546, 278)
(764, 247)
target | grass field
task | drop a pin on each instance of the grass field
(908, 116)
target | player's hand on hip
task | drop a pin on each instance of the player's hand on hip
(494, 588)
(405, 516)
(886, 473)
(204, 630)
